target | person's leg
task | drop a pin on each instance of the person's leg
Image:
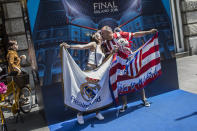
(143, 94)
(124, 100)
(99, 116)
(124, 106)
(80, 118)
(145, 102)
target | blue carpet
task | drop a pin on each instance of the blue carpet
(172, 111)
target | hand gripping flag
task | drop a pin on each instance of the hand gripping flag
(134, 72)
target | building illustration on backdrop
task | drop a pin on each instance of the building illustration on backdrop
(66, 20)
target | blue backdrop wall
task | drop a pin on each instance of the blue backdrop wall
(166, 4)
(70, 21)
(32, 6)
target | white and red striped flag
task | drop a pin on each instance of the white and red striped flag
(134, 72)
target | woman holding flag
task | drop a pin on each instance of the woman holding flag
(96, 57)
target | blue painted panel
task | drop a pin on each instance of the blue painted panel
(166, 4)
(32, 6)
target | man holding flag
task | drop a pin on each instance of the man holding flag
(119, 42)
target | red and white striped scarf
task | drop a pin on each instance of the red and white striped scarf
(109, 44)
(134, 72)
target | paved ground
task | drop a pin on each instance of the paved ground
(32, 121)
(187, 74)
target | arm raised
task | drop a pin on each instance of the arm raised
(80, 47)
(142, 33)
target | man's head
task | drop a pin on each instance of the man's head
(107, 33)
(13, 45)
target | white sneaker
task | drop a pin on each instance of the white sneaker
(123, 108)
(99, 116)
(146, 103)
(80, 119)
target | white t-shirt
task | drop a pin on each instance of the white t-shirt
(99, 56)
